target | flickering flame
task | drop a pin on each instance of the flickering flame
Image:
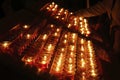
(25, 26)
(49, 48)
(69, 25)
(82, 63)
(63, 49)
(82, 48)
(28, 36)
(44, 59)
(70, 68)
(72, 54)
(93, 73)
(55, 34)
(65, 41)
(44, 37)
(57, 69)
(6, 44)
(61, 10)
(72, 47)
(85, 20)
(70, 60)
(56, 6)
(73, 36)
(57, 17)
(58, 29)
(66, 35)
(27, 60)
(59, 62)
(53, 3)
(82, 41)
(51, 25)
(80, 18)
(63, 18)
(43, 62)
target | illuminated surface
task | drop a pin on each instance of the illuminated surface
(56, 50)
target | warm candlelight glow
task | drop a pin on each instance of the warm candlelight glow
(93, 73)
(27, 60)
(44, 59)
(63, 18)
(59, 62)
(63, 49)
(82, 63)
(85, 20)
(6, 44)
(51, 25)
(25, 26)
(43, 62)
(82, 48)
(55, 34)
(65, 41)
(82, 41)
(57, 17)
(28, 36)
(80, 18)
(70, 60)
(53, 3)
(69, 25)
(49, 48)
(44, 37)
(74, 36)
(70, 68)
(58, 30)
(72, 47)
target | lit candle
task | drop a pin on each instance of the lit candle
(70, 68)
(44, 59)
(6, 44)
(27, 60)
(28, 36)
(63, 49)
(44, 37)
(72, 54)
(70, 60)
(93, 73)
(69, 25)
(55, 34)
(59, 62)
(82, 48)
(82, 41)
(65, 41)
(57, 17)
(25, 26)
(83, 76)
(51, 25)
(82, 63)
(72, 47)
(85, 21)
(50, 47)
(73, 35)
(66, 36)
(80, 18)
(58, 30)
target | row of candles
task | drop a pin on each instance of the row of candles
(13, 34)
(76, 23)
(21, 43)
(64, 62)
(44, 47)
(86, 63)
